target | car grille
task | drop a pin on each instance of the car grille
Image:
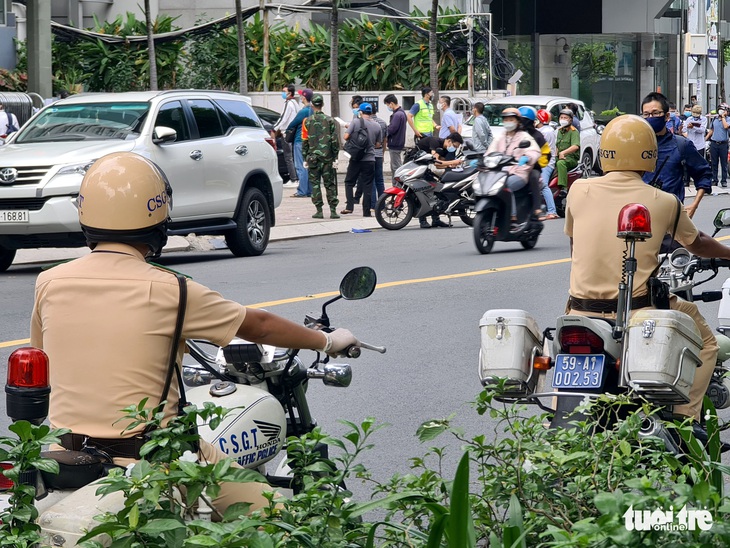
(31, 175)
(31, 204)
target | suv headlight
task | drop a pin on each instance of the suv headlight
(79, 169)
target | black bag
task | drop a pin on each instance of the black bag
(358, 142)
(290, 135)
(657, 289)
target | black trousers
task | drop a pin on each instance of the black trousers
(718, 153)
(359, 174)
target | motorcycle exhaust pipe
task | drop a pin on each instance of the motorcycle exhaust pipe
(653, 428)
(333, 375)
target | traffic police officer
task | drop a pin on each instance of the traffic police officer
(628, 150)
(420, 117)
(107, 320)
(320, 147)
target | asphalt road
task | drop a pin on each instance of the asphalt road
(433, 289)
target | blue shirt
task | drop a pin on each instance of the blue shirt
(296, 123)
(672, 173)
(719, 133)
(449, 118)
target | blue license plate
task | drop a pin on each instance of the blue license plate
(578, 371)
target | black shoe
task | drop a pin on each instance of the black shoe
(424, 224)
(439, 223)
(723, 185)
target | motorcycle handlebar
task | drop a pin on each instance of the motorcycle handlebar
(712, 264)
(353, 351)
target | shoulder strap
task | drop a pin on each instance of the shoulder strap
(175, 343)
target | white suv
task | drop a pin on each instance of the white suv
(220, 161)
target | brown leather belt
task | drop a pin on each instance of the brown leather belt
(125, 448)
(604, 305)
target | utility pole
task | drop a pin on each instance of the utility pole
(470, 51)
(39, 47)
(242, 68)
(265, 18)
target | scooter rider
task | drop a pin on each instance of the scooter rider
(107, 320)
(628, 150)
(508, 143)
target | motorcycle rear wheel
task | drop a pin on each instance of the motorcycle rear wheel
(484, 224)
(560, 202)
(529, 244)
(468, 214)
(391, 217)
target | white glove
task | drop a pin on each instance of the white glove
(338, 340)
(306, 165)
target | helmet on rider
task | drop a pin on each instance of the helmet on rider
(528, 113)
(511, 111)
(125, 198)
(544, 116)
(628, 143)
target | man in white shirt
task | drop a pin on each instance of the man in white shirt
(291, 107)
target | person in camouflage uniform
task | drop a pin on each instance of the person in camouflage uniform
(320, 146)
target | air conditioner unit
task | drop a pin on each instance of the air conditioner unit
(695, 44)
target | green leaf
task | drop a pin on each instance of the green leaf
(158, 526)
(460, 526)
(133, 516)
(430, 430)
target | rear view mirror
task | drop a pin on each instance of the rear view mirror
(164, 134)
(722, 219)
(359, 283)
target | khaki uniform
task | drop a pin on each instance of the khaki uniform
(107, 321)
(591, 219)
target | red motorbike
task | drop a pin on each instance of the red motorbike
(560, 195)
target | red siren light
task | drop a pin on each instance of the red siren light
(634, 222)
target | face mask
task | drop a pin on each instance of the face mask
(427, 98)
(451, 149)
(390, 109)
(721, 112)
(564, 123)
(687, 113)
(657, 123)
(510, 126)
(672, 114)
(283, 94)
(355, 111)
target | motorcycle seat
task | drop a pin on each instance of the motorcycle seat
(452, 176)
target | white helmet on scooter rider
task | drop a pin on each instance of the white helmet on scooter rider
(628, 144)
(126, 198)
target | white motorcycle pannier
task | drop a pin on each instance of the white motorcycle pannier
(663, 354)
(510, 339)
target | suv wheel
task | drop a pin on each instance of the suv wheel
(6, 258)
(253, 225)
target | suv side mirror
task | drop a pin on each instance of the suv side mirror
(164, 134)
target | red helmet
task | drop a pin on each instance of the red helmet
(544, 116)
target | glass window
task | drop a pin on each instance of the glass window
(240, 112)
(172, 115)
(86, 122)
(206, 117)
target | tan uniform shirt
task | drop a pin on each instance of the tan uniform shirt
(106, 321)
(591, 219)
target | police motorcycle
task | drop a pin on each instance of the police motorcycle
(677, 270)
(418, 191)
(265, 386)
(494, 203)
(651, 355)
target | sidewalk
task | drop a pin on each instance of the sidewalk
(293, 221)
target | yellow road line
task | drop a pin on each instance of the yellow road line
(19, 342)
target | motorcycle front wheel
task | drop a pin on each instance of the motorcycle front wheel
(391, 217)
(484, 225)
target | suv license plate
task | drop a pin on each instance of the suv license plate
(14, 216)
(578, 371)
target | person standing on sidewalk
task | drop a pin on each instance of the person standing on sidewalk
(361, 171)
(718, 136)
(396, 134)
(420, 117)
(320, 146)
(450, 121)
(695, 128)
(291, 107)
(482, 132)
(378, 179)
(304, 190)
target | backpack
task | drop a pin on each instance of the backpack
(10, 126)
(358, 143)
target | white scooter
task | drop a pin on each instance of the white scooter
(651, 354)
(265, 385)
